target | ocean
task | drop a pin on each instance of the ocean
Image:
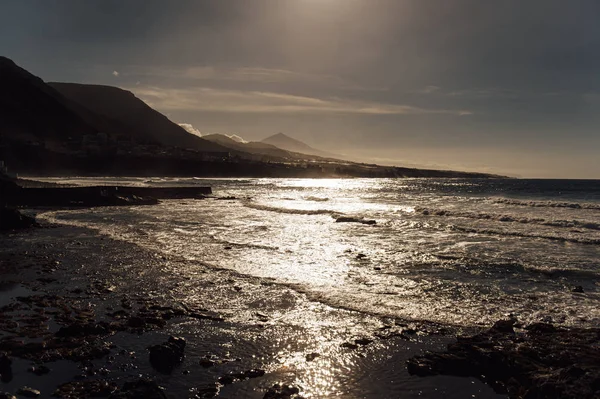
(454, 251)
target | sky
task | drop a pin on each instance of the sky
(509, 87)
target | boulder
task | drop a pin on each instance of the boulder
(12, 219)
(165, 357)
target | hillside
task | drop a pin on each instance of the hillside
(77, 129)
(130, 116)
(252, 147)
(32, 111)
(285, 142)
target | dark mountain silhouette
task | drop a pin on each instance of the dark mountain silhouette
(127, 115)
(285, 142)
(31, 110)
(67, 128)
(252, 147)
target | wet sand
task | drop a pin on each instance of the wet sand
(88, 307)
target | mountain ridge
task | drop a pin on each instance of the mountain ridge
(131, 116)
(285, 142)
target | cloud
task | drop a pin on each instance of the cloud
(237, 138)
(191, 129)
(255, 75)
(218, 100)
(115, 73)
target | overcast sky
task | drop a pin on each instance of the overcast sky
(502, 86)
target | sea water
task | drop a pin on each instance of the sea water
(456, 251)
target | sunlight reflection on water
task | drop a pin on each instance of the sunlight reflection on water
(436, 252)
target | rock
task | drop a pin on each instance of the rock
(208, 391)
(5, 368)
(165, 357)
(5, 364)
(278, 391)
(136, 322)
(312, 356)
(12, 219)
(85, 389)
(254, 373)
(504, 326)
(82, 330)
(363, 341)
(206, 362)
(227, 379)
(349, 345)
(29, 392)
(578, 288)
(544, 361)
(140, 389)
(346, 219)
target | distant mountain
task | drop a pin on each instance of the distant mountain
(285, 142)
(67, 128)
(252, 147)
(33, 111)
(127, 115)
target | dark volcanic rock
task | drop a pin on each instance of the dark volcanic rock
(11, 219)
(140, 389)
(282, 392)
(346, 219)
(5, 368)
(208, 391)
(82, 330)
(29, 392)
(165, 357)
(85, 389)
(543, 362)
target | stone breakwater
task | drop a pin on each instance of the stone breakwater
(98, 195)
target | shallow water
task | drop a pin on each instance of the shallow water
(464, 252)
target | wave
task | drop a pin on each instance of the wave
(582, 224)
(518, 266)
(547, 204)
(474, 230)
(292, 211)
(244, 245)
(316, 199)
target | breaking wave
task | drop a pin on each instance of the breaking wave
(546, 204)
(582, 224)
(513, 233)
(292, 211)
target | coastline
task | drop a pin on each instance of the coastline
(268, 327)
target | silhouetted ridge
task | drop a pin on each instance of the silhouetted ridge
(132, 117)
(288, 143)
(33, 111)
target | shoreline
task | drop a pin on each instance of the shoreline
(87, 255)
